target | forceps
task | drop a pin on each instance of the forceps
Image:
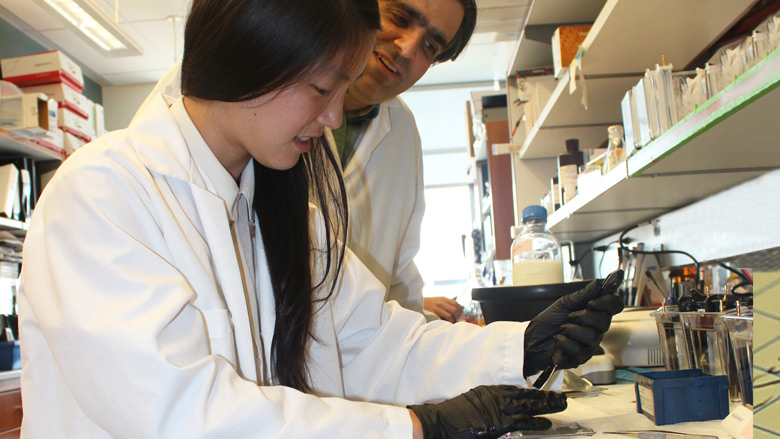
(661, 434)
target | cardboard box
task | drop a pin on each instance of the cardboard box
(72, 143)
(100, 120)
(72, 123)
(54, 140)
(64, 95)
(9, 186)
(42, 68)
(30, 115)
(566, 41)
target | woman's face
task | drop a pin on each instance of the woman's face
(276, 128)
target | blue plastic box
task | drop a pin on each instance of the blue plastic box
(674, 396)
(9, 355)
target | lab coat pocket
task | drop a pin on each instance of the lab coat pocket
(220, 332)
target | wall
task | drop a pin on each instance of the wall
(738, 225)
(121, 103)
(14, 42)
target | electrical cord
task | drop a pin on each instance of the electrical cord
(741, 273)
(657, 252)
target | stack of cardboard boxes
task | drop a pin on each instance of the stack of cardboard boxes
(52, 75)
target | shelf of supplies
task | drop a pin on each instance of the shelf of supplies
(627, 37)
(565, 116)
(534, 48)
(10, 224)
(720, 135)
(630, 36)
(723, 143)
(12, 144)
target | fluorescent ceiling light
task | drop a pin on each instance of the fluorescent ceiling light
(93, 25)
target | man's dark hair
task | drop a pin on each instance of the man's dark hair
(463, 35)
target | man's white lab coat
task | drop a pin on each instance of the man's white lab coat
(134, 321)
(384, 180)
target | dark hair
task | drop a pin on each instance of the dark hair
(236, 50)
(462, 36)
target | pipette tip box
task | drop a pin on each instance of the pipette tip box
(674, 396)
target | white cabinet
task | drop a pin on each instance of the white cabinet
(728, 140)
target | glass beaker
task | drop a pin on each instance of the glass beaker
(672, 335)
(702, 341)
(740, 330)
(727, 358)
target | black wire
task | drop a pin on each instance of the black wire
(575, 262)
(603, 251)
(657, 252)
(741, 284)
(737, 272)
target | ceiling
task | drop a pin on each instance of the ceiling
(157, 25)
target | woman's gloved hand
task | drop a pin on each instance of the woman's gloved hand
(487, 412)
(574, 324)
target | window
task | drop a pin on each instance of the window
(444, 260)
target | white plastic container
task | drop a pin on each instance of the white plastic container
(536, 253)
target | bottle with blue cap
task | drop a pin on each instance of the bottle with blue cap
(536, 253)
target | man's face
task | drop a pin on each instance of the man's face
(413, 33)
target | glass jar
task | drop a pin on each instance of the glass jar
(536, 253)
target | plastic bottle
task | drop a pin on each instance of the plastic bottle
(536, 253)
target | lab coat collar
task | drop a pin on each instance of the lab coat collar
(376, 131)
(160, 145)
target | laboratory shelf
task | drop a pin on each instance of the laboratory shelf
(723, 143)
(630, 36)
(627, 38)
(534, 48)
(11, 144)
(719, 135)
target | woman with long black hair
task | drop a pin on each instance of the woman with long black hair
(186, 277)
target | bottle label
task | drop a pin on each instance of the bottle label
(537, 272)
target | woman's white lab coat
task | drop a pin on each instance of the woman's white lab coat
(134, 322)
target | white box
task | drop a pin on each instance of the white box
(54, 140)
(626, 107)
(72, 123)
(9, 183)
(29, 115)
(72, 143)
(100, 120)
(42, 68)
(642, 118)
(64, 95)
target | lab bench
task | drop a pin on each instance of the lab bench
(614, 408)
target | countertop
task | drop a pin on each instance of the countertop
(615, 409)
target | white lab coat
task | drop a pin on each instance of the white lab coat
(134, 322)
(384, 180)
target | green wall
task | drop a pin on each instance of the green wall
(14, 42)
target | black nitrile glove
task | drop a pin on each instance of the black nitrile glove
(487, 412)
(574, 324)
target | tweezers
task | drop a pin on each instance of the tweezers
(611, 281)
(660, 434)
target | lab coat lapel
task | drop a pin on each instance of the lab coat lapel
(213, 216)
(375, 133)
